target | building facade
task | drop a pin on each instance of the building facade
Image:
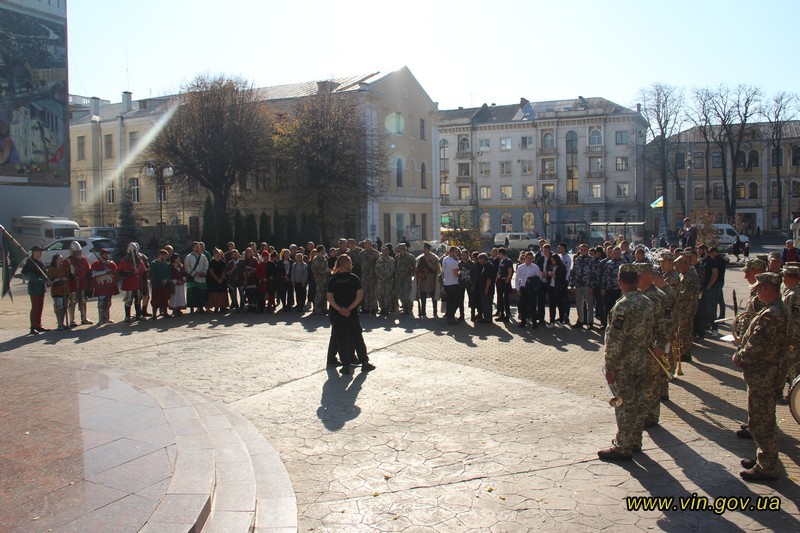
(697, 179)
(548, 168)
(110, 139)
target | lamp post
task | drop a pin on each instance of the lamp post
(160, 172)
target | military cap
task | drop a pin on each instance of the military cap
(401, 245)
(427, 246)
(791, 264)
(755, 264)
(367, 241)
(681, 259)
(643, 267)
(628, 267)
(793, 271)
(763, 257)
(769, 278)
(667, 256)
(774, 255)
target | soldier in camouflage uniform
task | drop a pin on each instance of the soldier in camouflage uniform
(404, 268)
(631, 321)
(354, 252)
(320, 271)
(660, 341)
(367, 258)
(791, 299)
(672, 298)
(760, 355)
(752, 268)
(687, 300)
(384, 277)
(667, 270)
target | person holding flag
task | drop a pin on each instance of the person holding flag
(37, 288)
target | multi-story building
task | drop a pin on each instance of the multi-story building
(548, 168)
(107, 141)
(696, 167)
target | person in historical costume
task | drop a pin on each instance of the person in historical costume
(196, 266)
(79, 279)
(104, 284)
(160, 278)
(428, 270)
(131, 268)
(177, 280)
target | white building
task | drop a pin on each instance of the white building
(543, 167)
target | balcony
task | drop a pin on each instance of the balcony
(464, 179)
(548, 176)
(596, 149)
(464, 155)
(547, 151)
(596, 175)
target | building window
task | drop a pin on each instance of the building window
(133, 140)
(699, 161)
(796, 156)
(595, 215)
(484, 167)
(548, 190)
(82, 192)
(699, 193)
(752, 159)
(483, 145)
(777, 157)
(622, 163)
(775, 219)
(530, 190)
(463, 144)
(572, 142)
(422, 129)
(133, 183)
(548, 166)
(716, 159)
(110, 192)
(680, 160)
(717, 191)
(464, 193)
(527, 143)
(572, 185)
(596, 190)
(622, 190)
(505, 143)
(528, 222)
(192, 185)
(752, 191)
(741, 191)
(463, 170)
(548, 141)
(621, 137)
(444, 149)
(595, 137)
(527, 167)
(486, 193)
(741, 159)
(505, 192)
(505, 168)
(596, 164)
(81, 154)
(387, 227)
(400, 225)
(444, 186)
(398, 172)
(773, 190)
(423, 178)
(108, 146)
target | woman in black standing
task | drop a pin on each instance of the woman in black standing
(558, 275)
(344, 296)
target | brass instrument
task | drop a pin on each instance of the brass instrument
(740, 324)
(676, 357)
(664, 362)
(615, 400)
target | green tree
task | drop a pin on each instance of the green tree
(263, 228)
(239, 231)
(128, 230)
(210, 229)
(251, 228)
(221, 129)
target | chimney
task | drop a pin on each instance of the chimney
(326, 86)
(523, 102)
(639, 108)
(94, 105)
(127, 101)
(142, 104)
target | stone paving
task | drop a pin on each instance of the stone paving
(469, 427)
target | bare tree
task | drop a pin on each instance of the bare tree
(220, 131)
(699, 113)
(778, 110)
(662, 108)
(334, 156)
(733, 110)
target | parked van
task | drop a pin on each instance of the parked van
(516, 241)
(40, 230)
(727, 235)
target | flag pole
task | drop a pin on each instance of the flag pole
(23, 250)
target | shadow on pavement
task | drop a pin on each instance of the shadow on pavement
(338, 402)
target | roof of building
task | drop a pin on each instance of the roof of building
(763, 130)
(309, 88)
(528, 111)
(139, 108)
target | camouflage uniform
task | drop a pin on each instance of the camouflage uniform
(404, 268)
(384, 276)
(672, 299)
(686, 307)
(355, 256)
(630, 324)
(319, 268)
(791, 299)
(367, 259)
(662, 333)
(761, 353)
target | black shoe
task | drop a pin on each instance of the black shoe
(744, 426)
(649, 424)
(535, 324)
(636, 449)
(752, 474)
(367, 367)
(577, 325)
(613, 454)
(521, 325)
(41, 329)
(748, 463)
(34, 332)
(485, 321)
(686, 359)
(783, 400)
(665, 398)
(744, 434)
(345, 370)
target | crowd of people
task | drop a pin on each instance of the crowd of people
(651, 304)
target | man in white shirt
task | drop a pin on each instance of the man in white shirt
(451, 289)
(529, 277)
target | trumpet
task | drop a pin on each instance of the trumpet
(615, 400)
(676, 357)
(663, 362)
(740, 324)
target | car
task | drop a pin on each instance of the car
(90, 247)
(727, 235)
(516, 241)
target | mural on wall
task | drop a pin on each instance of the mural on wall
(34, 125)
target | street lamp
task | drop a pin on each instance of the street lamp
(160, 172)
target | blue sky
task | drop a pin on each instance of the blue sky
(464, 53)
